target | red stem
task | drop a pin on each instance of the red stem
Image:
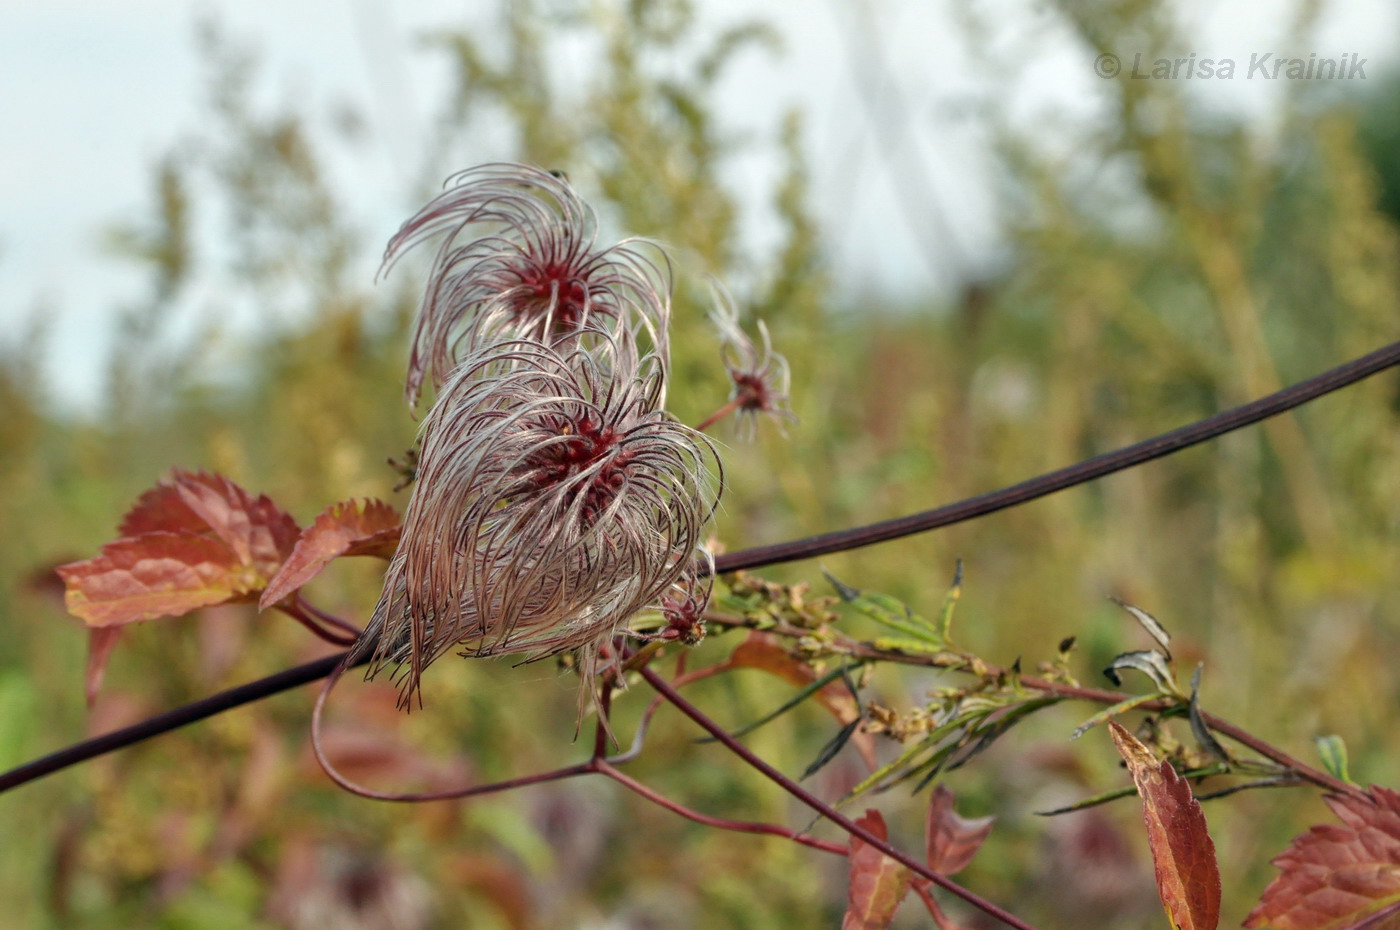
(721, 413)
(821, 807)
(294, 610)
(583, 768)
(739, 826)
(327, 618)
(940, 919)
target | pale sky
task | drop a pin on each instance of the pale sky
(92, 94)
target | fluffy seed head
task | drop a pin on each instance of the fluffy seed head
(760, 377)
(684, 603)
(554, 500)
(520, 262)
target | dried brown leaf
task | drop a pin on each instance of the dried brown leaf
(766, 652)
(877, 883)
(353, 527)
(1183, 855)
(1336, 877)
(950, 839)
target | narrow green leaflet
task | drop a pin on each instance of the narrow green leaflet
(996, 728)
(889, 612)
(744, 608)
(950, 601)
(1108, 713)
(1334, 756)
(913, 647)
(1092, 801)
(796, 699)
(829, 751)
(884, 771)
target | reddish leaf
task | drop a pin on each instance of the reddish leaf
(1336, 877)
(153, 575)
(354, 527)
(766, 652)
(162, 510)
(192, 541)
(1183, 855)
(877, 883)
(101, 640)
(952, 840)
(260, 533)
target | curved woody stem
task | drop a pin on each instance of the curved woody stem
(1049, 483)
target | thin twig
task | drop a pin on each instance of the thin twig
(861, 650)
(452, 794)
(723, 823)
(296, 611)
(721, 413)
(821, 807)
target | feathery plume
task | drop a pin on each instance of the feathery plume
(554, 500)
(760, 378)
(520, 262)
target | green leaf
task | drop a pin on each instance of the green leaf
(829, 751)
(1093, 801)
(802, 695)
(950, 601)
(1108, 713)
(913, 647)
(1334, 756)
(888, 611)
(1125, 792)
(884, 771)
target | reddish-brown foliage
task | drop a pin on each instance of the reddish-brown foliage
(877, 883)
(950, 839)
(1338, 877)
(1183, 854)
(353, 527)
(194, 540)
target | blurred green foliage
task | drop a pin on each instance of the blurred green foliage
(1208, 268)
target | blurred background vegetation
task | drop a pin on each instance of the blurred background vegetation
(1173, 265)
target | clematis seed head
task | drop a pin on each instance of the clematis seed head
(520, 261)
(760, 378)
(554, 499)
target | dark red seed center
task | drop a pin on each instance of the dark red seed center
(590, 446)
(556, 284)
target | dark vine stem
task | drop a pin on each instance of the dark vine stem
(1088, 470)
(821, 807)
(1183, 437)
